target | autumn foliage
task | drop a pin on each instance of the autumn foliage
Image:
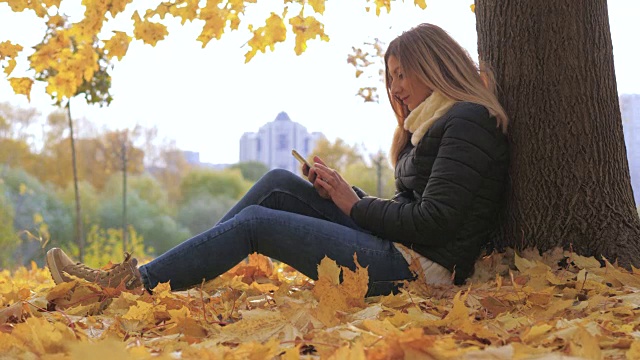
(515, 307)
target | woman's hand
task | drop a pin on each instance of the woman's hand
(311, 174)
(338, 190)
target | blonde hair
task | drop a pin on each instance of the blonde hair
(436, 59)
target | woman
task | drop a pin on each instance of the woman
(450, 156)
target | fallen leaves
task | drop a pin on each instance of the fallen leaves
(530, 308)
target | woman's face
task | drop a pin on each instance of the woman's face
(404, 87)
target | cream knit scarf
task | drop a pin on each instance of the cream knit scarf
(422, 117)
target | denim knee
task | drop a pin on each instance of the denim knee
(278, 176)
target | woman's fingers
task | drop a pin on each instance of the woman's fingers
(326, 173)
(318, 160)
(312, 175)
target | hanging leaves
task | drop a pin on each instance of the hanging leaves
(265, 36)
(64, 62)
(21, 86)
(71, 55)
(147, 31)
(306, 28)
(9, 52)
(117, 46)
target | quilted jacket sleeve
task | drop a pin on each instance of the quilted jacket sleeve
(463, 160)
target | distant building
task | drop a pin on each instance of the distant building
(192, 157)
(273, 142)
(630, 110)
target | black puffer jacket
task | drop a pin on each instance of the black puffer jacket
(449, 189)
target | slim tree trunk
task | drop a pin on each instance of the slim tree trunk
(569, 174)
(124, 191)
(79, 230)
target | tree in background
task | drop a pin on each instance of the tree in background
(149, 211)
(569, 174)
(154, 224)
(201, 182)
(337, 155)
(251, 170)
(16, 138)
(202, 213)
(8, 237)
(170, 168)
(35, 204)
(375, 178)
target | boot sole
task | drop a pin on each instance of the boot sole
(57, 277)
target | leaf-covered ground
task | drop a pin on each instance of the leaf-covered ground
(561, 306)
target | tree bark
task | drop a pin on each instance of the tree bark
(569, 174)
(79, 229)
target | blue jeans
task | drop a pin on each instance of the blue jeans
(282, 217)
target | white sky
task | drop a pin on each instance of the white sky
(205, 99)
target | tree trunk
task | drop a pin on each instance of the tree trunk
(79, 230)
(124, 190)
(569, 174)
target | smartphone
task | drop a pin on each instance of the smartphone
(300, 158)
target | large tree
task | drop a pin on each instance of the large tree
(569, 175)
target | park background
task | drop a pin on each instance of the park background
(178, 96)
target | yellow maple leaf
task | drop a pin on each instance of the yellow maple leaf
(188, 10)
(215, 20)
(44, 57)
(51, 3)
(535, 332)
(306, 28)
(185, 324)
(21, 86)
(11, 65)
(265, 36)
(382, 328)
(421, 3)
(109, 348)
(10, 345)
(473, 8)
(317, 5)
(9, 51)
(142, 311)
(147, 31)
(353, 352)
(335, 296)
(292, 353)
(355, 284)
(256, 350)
(634, 350)
(56, 21)
(63, 85)
(42, 337)
(18, 5)
(118, 45)
(382, 4)
(117, 6)
(329, 271)
(584, 345)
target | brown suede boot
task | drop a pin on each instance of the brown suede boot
(63, 269)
